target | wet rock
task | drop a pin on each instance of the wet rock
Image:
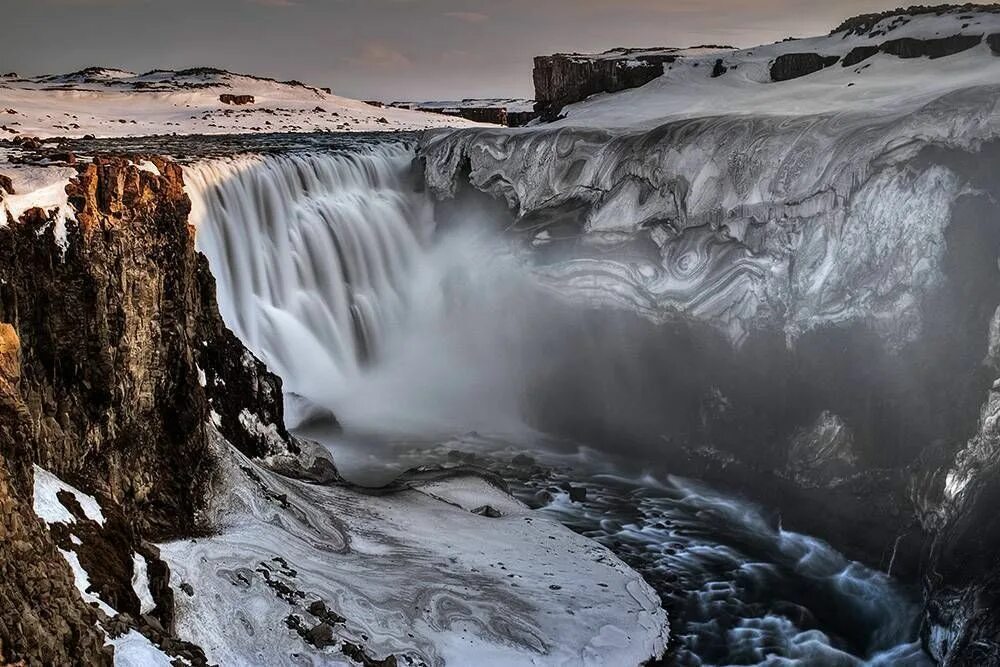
(187, 588)
(320, 635)
(6, 185)
(523, 460)
(719, 69)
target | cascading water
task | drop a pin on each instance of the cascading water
(330, 267)
(333, 269)
(312, 256)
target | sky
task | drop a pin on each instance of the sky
(386, 49)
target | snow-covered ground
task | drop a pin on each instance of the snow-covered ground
(688, 90)
(418, 574)
(113, 103)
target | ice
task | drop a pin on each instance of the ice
(413, 575)
(134, 650)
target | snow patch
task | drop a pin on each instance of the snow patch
(82, 580)
(47, 505)
(140, 584)
(133, 650)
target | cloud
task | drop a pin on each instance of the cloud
(380, 56)
(468, 17)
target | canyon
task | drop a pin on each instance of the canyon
(698, 368)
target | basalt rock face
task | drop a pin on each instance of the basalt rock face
(793, 65)
(114, 362)
(930, 48)
(563, 79)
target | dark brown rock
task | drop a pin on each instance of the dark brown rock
(238, 100)
(564, 79)
(6, 185)
(100, 369)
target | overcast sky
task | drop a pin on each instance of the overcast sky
(386, 49)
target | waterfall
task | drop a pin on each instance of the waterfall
(312, 254)
(329, 267)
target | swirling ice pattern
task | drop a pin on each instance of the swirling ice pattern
(827, 217)
(425, 580)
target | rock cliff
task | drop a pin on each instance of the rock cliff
(563, 79)
(113, 362)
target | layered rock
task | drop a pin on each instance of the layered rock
(563, 79)
(114, 361)
(793, 65)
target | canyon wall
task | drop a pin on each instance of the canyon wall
(563, 79)
(114, 362)
(826, 301)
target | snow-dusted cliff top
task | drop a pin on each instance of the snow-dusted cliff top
(115, 103)
(889, 76)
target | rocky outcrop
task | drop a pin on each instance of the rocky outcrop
(994, 43)
(563, 79)
(238, 100)
(114, 362)
(794, 65)
(908, 47)
(865, 24)
(858, 54)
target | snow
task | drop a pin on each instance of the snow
(140, 584)
(146, 165)
(82, 581)
(471, 493)
(41, 187)
(687, 89)
(133, 650)
(797, 198)
(113, 103)
(413, 576)
(47, 505)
